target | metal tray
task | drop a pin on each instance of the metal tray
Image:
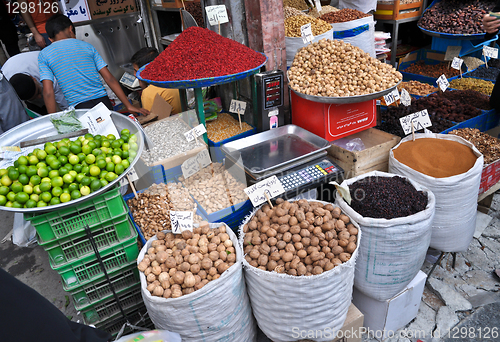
(275, 148)
(42, 127)
(346, 99)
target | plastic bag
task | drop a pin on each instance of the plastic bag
(24, 234)
(456, 198)
(293, 44)
(391, 251)
(359, 32)
(66, 122)
(152, 336)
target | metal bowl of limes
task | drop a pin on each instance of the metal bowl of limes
(42, 127)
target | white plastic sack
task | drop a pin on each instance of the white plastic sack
(23, 233)
(392, 251)
(151, 336)
(359, 32)
(220, 311)
(293, 44)
(286, 306)
(456, 198)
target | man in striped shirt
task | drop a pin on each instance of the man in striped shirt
(76, 66)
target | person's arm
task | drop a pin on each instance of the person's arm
(117, 89)
(49, 97)
(40, 41)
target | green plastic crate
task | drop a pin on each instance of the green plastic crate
(88, 268)
(137, 315)
(65, 222)
(66, 250)
(99, 289)
(107, 308)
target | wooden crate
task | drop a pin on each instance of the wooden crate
(393, 11)
(374, 157)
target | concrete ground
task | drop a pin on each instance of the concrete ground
(459, 300)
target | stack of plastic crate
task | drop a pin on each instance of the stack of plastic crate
(62, 234)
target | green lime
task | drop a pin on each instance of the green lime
(110, 167)
(97, 143)
(117, 152)
(56, 164)
(95, 185)
(53, 174)
(86, 149)
(73, 160)
(68, 166)
(125, 131)
(101, 163)
(133, 138)
(13, 174)
(62, 159)
(57, 182)
(111, 176)
(35, 179)
(22, 197)
(81, 156)
(9, 204)
(94, 171)
(86, 180)
(66, 191)
(33, 160)
(125, 163)
(41, 154)
(63, 170)
(5, 180)
(133, 146)
(30, 203)
(73, 187)
(42, 172)
(103, 174)
(3, 200)
(50, 149)
(36, 189)
(75, 148)
(75, 194)
(31, 171)
(79, 177)
(4, 190)
(50, 158)
(132, 154)
(67, 178)
(57, 191)
(116, 144)
(96, 151)
(46, 179)
(16, 187)
(28, 189)
(16, 164)
(125, 138)
(34, 197)
(16, 204)
(90, 159)
(111, 137)
(105, 143)
(92, 144)
(125, 147)
(64, 150)
(85, 190)
(125, 155)
(3, 172)
(97, 137)
(40, 164)
(22, 160)
(88, 136)
(45, 186)
(116, 160)
(11, 196)
(54, 201)
(23, 179)
(46, 196)
(41, 204)
(60, 144)
(86, 170)
(78, 168)
(119, 169)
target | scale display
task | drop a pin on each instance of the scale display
(270, 95)
(273, 91)
(309, 174)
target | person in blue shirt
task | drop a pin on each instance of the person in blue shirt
(76, 65)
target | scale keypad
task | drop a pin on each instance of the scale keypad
(306, 175)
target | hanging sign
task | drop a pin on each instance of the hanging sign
(420, 120)
(216, 15)
(270, 186)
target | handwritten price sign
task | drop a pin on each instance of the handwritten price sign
(490, 52)
(237, 107)
(457, 63)
(443, 83)
(392, 97)
(270, 186)
(216, 15)
(195, 132)
(420, 120)
(181, 221)
(405, 97)
(307, 35)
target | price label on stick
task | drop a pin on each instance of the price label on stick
(216, 15)
(132, 175)
(181, 221)
(195, 132)
(307, 35)
(270, 186)
(443, 83)
(237, 107)
(405, 97)
(392, 97)
(318, 5)
(195, 164)
(452, 52)
(457, 63)
(420, 120)
(490, 52)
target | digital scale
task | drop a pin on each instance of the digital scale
(295, 156)
(270, 94)
(130, 81)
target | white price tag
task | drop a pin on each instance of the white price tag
(392, 97)
(490, 52)
(307, 35)
(199, 130)
(457, 63)
(270, 186)
(195, 164)
(216, 15)
(420, 120)
(274, 112)
(237, 106)
(132, 175)
(203, 158)
(443, 83)
(98, 121)
(189, 135)
(318, 5)
(181, 221)
(405, 97)
(451, 52)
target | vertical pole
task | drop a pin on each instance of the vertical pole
(198, 95)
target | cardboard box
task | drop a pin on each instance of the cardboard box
(332, 121)
(383, 318)
(374, 157)
(160, 110)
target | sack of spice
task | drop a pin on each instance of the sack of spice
(218, 311)
(395, 241)
(450, 167)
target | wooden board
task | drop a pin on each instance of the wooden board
(375, 157)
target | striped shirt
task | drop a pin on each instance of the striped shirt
(75, 65)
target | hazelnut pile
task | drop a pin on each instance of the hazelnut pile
(179, 264)
(299, 238)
